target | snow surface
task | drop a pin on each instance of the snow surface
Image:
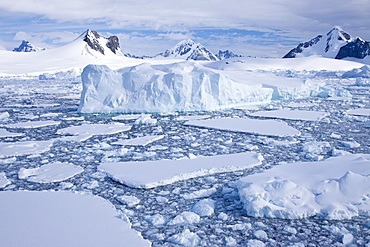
(49, 218)
(292, 114)
(86, 131)
(25, 147)
(247, 125)
(49, 173)
(139, 141)
(336, 188)
(162, 172)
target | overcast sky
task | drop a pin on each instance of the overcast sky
(247, 27)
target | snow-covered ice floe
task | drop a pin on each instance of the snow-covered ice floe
(139, 141)
(86, 131)
(4, 181)
(247, 125)
(53, 172)
(337, 188)
(5, 133)
(163, 172)
(292, 114)
(359, 112)
(23, 148)
(49, 218)
(33, 124)
(183, 86)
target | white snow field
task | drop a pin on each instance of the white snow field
(49, 173)
(49, 218)
(337, 188)
(247, 125)
(292, 114)
(162, 172)
(23, 148)
(86, 131)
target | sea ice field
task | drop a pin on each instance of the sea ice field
(285, 173)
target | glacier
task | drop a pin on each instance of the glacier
(182, 86)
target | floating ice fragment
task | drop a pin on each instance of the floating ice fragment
(253, 126)
(359, 112)
(5, 133)
(23, 148)
(352, 144)
(3, 181)
(199, 194)
(33, 124)
(145, 119)
(205, 207)
(129, 200)
(139, 141)
(254, 243)
(155, 219)
(185, 218)
(77, 220)
(186, 238)
(162, 172)
(86, 131)
(336, 188)
(4, 116)
(49, 173)
(292, 114)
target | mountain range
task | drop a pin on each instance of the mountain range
(185, 49)
(336, 44)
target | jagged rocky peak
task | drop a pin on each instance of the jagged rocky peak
(100, 43)
(26, 46)
(226, 54)
(189, 50)
(335, 44)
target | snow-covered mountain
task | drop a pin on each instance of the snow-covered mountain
(226, 54)
(189, 50)
(101, 44)
(336, 44)
(26, 46)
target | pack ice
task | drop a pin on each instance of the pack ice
(182, 86)
(337, 188)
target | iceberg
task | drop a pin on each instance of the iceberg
(181, 86)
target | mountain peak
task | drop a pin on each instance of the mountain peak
(26, 46)
(335, 44)
(189, 50)
(99, 43)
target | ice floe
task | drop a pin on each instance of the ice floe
(247, 125)
(162, 172)
(336, 188)
(139, 141)
(49, 218)
(126, 117)
(86, 131)
(5, 133)
(49, 173)
(33, 124)
(292, 114)
(359, 112)
(23, 148)
(4, 181)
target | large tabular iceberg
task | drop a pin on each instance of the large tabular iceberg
(183, 86)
